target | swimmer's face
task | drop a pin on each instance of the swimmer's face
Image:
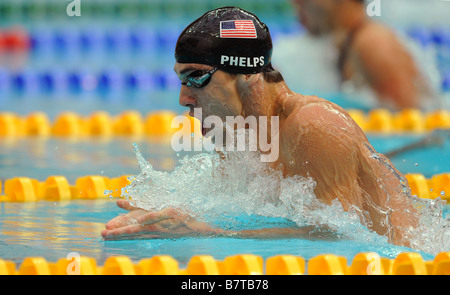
(315, 15)
(217, 98)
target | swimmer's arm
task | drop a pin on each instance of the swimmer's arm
(322, 142)
(328, 151)
(170, 222)
(281, 233)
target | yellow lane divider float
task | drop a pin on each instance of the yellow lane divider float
(407, 263)
(132, 122)
(57, 188)
(99, 123)
(410, 120)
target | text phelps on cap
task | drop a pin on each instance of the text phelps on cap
(249, 62)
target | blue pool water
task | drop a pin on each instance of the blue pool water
(39, 158)
(54, 229)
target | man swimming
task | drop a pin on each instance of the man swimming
(369, 54)
(225, 69)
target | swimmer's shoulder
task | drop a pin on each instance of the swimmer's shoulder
(296, 102)
(302, 103)
(307, 110)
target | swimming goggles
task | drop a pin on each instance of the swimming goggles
(199, 79)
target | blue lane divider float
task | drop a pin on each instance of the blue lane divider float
(54, 81)
(446, 82)
(106, 40)
(79, 81)
(438, 36)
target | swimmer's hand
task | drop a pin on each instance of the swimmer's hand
(168, 222)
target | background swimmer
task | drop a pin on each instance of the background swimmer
(367, 55)
(317, 138)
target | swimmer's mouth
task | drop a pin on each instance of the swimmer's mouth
(203, 130)
(191, 113)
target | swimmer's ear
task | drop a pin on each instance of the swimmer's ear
(252, 77)
(246, 83)
(247, 80)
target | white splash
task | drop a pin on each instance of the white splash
(221, 191)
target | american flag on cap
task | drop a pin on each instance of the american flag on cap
(237, 29)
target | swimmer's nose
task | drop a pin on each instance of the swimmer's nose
(187, 100)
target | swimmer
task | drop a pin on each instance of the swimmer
(369, 53)
(233, 76)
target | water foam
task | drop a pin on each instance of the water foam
(220, 189)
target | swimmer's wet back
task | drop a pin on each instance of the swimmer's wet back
(229, 38)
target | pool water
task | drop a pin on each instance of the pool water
(55, 229)
(40, 157)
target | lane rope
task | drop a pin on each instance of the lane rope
(406, 263)
(132, 122)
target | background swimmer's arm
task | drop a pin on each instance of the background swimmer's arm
(387, 67)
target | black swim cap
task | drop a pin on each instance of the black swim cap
(230, 38)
